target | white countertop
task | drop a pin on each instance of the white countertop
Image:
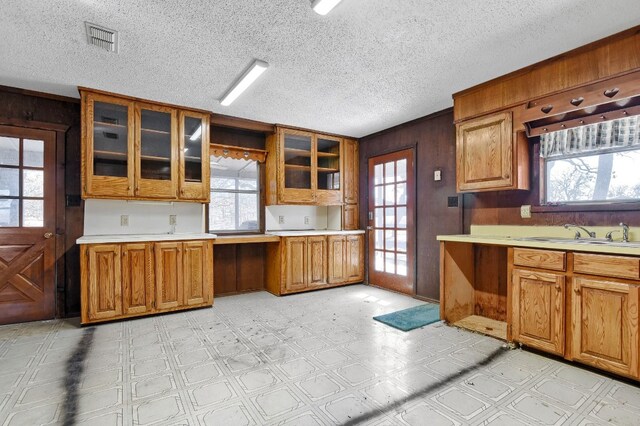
(617, 248)
(98, 239)
(304, 233)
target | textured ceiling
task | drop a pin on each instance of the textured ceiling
(367, 66)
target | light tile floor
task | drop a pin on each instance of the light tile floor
(309, 359)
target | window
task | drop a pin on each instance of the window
(591, 164)
(235, 195)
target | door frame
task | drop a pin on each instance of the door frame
(368, 240)
(59, 138)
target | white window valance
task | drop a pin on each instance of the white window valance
(608, 135)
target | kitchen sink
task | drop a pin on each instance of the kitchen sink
(582, 241)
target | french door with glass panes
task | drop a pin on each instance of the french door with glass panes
(391, 221)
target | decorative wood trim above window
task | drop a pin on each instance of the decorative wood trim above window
(239, 152)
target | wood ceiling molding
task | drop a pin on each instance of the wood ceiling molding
(239, 153)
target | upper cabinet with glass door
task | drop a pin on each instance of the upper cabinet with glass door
(303, 168)
(135, 149)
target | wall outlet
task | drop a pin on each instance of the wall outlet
(525, 212)
(437, 175)
(306, 220)
(280, 220)
(173, 219)
(124, 220)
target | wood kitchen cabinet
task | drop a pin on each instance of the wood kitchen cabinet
(303, 168)
(351, 161)
(134, 149)
(134, 279)
(538, 310)
(490, 156)
(311, 262)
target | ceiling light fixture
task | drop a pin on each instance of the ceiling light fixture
(322, 7)
(251, 74)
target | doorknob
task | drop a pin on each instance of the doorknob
(48, 235)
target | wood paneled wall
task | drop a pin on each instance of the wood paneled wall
(24, 105)
(433, 138)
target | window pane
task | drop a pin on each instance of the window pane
(389, 172)
(390, 240)
(9, 151)
(379, 239)
(378, 197)
(32, 183)
(248, 211)
(401, 193)
(401, 264)
(379, 264)
(222, 211)
(9, 213)
(389, 195)
(248, 184)
(223, 183)
(9, 182)
(33, 151)
(401, 170)
(379, 218)
(600, 177)
(401, 237)
(378, 172)
(390, 218)
(402, 217)
(389, 262)
(33, 213)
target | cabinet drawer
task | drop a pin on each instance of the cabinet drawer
(543, 259)
(608, 266)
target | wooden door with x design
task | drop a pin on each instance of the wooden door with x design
(27, 224)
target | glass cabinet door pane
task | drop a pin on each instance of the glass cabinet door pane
(155, 145)
(328, 155)
(297, 161)
(110, 139)
(192, 149)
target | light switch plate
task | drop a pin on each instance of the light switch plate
(525, 212)
(437, 175)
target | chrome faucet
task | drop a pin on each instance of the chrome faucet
(625, 232)
(578, 235)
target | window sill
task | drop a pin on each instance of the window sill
(604, 207)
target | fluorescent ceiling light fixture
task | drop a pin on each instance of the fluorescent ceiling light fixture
(195, 135)
(255, 70)
(322, 7)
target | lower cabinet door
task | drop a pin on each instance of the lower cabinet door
(350, 220)
(198, 279)
(336, 259)
(169, 276)
(137, 278)
(605, 325)
(538, 310)
(354, 258)
(295, 259)
(104, 290)
(316, 261)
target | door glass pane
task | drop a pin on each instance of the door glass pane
(155, 145)
(389, 195)
(401, 170)
(379, 239)
(32, 183)
(378, 172)
(390, 218)
(390, 240)
(9, 151)
(378, 197)
(110, 139)
(297, 161)
(401, 244)
(389, 172)
(32, 213)
(401, 193)
(9, 182)
(33, 152)
(402, 217)
(379, 218)
(192, 149)
(389, 262)
(379, 263)
(401, 264)
(9, 213)
(328, 157)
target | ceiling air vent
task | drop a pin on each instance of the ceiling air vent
(102, 37)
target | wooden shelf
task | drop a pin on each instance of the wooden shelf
(328, 170)
(297, 167)
(306, 153)
(109, 155)
(484, 325)
(160, 132)
(104, 123)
